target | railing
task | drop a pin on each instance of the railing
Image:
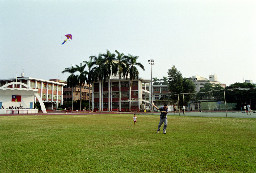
(18, 111)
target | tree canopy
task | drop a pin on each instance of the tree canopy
(179, 86)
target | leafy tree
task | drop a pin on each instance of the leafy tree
(242, 94)
(211, 92)
(179, 86)
(175, 81)
(188, 90)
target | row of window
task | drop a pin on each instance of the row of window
(50, 97)
(50, 86)
(116, 94)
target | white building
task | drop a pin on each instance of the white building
(201, 81)
(51, 92)
(18, 98)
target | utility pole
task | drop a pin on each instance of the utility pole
(151, 62)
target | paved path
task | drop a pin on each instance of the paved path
(215, 114)
(192, 114)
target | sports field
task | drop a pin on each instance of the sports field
(112, 143)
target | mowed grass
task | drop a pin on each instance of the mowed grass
(111, 143)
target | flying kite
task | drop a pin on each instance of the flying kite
(69, 36)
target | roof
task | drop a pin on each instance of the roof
(30, 78)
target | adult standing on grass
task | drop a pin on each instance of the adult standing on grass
(163, 117)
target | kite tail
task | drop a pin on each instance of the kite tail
(64, 41)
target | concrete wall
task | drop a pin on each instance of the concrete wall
(26, 98)
(18, 111)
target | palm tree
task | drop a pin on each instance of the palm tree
(121, 63)
(132, 71)
(82, 77)
(99, 73)
(111, 67)
(72, 81)
(89, 81)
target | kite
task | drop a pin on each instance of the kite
(69, 36)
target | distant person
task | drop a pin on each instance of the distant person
(163, 117)
(244, 109)
(249, 109)
(174, 108)
(183, 109)
(134, 119)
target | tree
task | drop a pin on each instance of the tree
(179, 86)
(72, 80)
(188, 90)
(211, 92)
(132, 71)
(156, 81)
(121, 64)
(89, 81)
(242, 94)
(175, 81)
(165, 81)
(112, 68)
(82, 77)
(99, 73)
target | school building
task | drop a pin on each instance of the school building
(50, 91)
(109, 96)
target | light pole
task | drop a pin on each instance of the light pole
(151, 62)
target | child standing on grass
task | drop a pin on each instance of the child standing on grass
(134, 119)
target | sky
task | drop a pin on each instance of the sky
(198, 37)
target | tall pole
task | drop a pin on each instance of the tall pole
(225, 103)
(151, 90)
(151, 62)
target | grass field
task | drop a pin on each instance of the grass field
(111, 143)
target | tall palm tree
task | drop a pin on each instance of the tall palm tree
(72, 81)
(132, 71)
(99, 74)
(89, 81)
(121, 63)
(82, 77)
(111, 67)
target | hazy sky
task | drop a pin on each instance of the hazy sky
(199, 37)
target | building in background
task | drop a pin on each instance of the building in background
(18, 98)
(106, 97)
(51, 92)
(248, 81)
(201, 81)
(67, 93)
(161, 94)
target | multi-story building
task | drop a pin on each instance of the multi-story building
(67, 93)
(160, 92)
(106, 96)
(201, 81)
(51, 92)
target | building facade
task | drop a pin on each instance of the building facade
(110, 96)
(67, 93)
(18, 98)
(51, 92)
(201, 81)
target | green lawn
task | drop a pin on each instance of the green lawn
(111, 143)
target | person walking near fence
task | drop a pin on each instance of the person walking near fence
(163, 117)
